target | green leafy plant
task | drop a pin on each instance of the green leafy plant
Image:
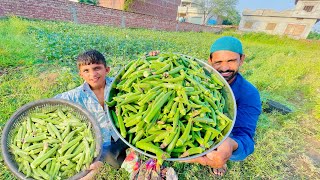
(314, 35)
(91, 2)
(127, 5)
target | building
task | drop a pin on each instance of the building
(189, 11)
(166, 9)
(296, 23)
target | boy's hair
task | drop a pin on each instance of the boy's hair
(91, 57)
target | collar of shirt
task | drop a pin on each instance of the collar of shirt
(86, 88)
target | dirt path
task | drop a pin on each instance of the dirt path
(310, 159)
(3, 71)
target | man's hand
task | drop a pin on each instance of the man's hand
(94, 169)
(154, 53)
(219, 157)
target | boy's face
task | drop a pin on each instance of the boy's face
(94, 74)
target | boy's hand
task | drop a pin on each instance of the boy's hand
(154, 53)
(94, 169)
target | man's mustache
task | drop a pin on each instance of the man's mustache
(225, 71)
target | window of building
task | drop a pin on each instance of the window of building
(308, 8)
(248, 25)
(271, 26)
(295, 29)
(298, 30)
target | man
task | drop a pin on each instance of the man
(92, 96)
(226, 56)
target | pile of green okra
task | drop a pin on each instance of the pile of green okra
(52, 144)
(169, 106)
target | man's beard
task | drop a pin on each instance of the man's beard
(228, 78)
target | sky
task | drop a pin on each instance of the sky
(277, 5)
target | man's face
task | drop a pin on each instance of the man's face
(227, 63)
(94, 74)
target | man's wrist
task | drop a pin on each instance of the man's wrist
(234, 144)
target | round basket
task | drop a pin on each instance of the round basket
(227, 93)
(16, 119)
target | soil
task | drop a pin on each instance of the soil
(313, 150)
(3, 71)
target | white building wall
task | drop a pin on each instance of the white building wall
(260, 23)
(300, 12)
(296, 23)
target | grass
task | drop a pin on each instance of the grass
(37, 61)
(314, 35)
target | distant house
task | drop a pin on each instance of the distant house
(296, 23)
(161, 8)
(190, 11)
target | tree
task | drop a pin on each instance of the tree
(224, 9)
(234, 20)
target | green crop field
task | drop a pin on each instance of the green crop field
(37, 60)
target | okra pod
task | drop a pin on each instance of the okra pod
(31, 139)
(174, 141)
(138, 136)
(151, 148)
(157, 106)
(55, 130)
(28, 169)
(42, 173)
(79, 164)
(45, 162)
(167, 140)
(61, 114)
(185, 134)
(192, 151)
(66, 132)
(70, 150)
(40, 159)
(71, 143)
(179, 150)
(39, 121)
(149, 138)
(123, 130)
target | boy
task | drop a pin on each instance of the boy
(91, 95)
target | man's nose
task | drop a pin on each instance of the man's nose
(224, 66)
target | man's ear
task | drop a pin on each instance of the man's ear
(210, 60)
(242, 57)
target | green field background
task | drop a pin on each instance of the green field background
(37, 60)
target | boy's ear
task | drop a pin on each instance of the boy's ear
(107, 69)
(80, 74)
